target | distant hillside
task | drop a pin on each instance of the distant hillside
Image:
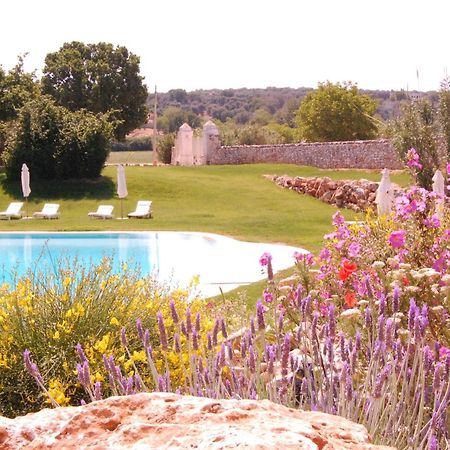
(270, 104)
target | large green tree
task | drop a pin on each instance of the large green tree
(16, 88)
(100, 78)
(336, 112)
(57, 143)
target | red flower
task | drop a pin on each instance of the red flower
(350, 299)
(346, 270)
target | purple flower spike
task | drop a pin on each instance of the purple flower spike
(286, 348)
(195, 339)
(223, 328)
(188, 320)
(162, 331)
(123, 337)
(396, 299)
(260, 316)
(433, 443)
(140, 330)
(437, 377)
(412, 314)
(81, 354)
(98, 390)
(197, 322)
(331, 321)
(251, 360)
(176, 339)
(173, 311)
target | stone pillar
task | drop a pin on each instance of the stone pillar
(211, 140)
(182, 155)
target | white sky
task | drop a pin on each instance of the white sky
(204, 44)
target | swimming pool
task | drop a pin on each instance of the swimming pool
(219, 261)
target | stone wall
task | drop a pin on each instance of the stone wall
(376, 154)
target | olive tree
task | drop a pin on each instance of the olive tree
(336, 112)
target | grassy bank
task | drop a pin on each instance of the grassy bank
(231, 200)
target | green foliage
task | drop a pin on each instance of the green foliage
(53, 309)
(164, 147)
(444, 113)
(16, 88)
(100, 78)
(57, 143)
(418, 128)
(139, 143)
(336, 112)
(174, 117)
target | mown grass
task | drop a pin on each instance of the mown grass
(231, 200)
(131, 157)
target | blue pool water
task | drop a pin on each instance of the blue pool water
(173, 257)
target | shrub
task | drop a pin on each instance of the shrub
(57, 143)
(164, 147)
(142, 143)
(50, 311)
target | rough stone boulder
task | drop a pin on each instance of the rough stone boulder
(170, 421)
(358, 195)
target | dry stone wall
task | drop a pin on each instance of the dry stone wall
(375, 154)
(358, 195)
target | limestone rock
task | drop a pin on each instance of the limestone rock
(170, 421)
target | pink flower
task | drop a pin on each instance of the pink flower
(267, 296)
(354, 249)
(397, 238)
(413, 159)
(265, 259)
(338, 219)
(448, 168)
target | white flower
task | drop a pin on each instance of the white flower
(352, 313)
(378, 265)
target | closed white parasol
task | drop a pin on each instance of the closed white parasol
(121, 186)
(25, 179)
(439, 188)
(385, 195)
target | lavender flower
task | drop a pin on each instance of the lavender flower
(173, 311)
(223, 328)
(140, 330)
(396, 299)
(123, 338)
(188, 320)
(197, 322)
(285, 349)
(176, 339)
(31, 367)
(260, 316)
(331, 321)
(195, 339)
(162, 331)
(251, 360)
(216, 331)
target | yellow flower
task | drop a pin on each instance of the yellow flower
(102, 345)
(114, 321)
(56, 335)
(57, 391)
(67, 281)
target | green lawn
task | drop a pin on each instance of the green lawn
(138, 157)
(231, 200)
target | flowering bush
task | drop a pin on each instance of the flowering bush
(361, 330)
(49, 313)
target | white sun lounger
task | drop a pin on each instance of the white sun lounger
(143, 210)
(14, 211)
(49, 211)
(103, 212)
